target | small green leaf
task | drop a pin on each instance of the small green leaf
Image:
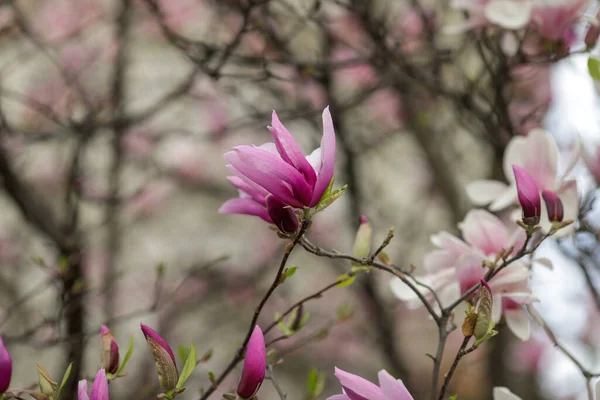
(127, 357)
(212, 379)
(182, 352)
(188, 367)
(344, 312)
(64, 381)
(328, 199)
(229, 396)
(290, 271)
(594, 68)
(345, 280)
(453, 397)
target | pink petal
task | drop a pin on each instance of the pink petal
(256, 192)
(272, 173)
(82, 390)
(5, 367)
(338, 397)
(152, 334)
(357, 388)
(392, 389)
(537, 154)
(245, 206)
(255, 365)
(325, 173)
(100, 386)
(289, 151)
(484, 231)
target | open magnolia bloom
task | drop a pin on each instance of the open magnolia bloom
(537, 154)
(358, 388)
(551, 19)
(457, 265)
(282, 170)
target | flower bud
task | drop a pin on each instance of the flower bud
(166, 368)
(529, 196)
(468, 326)
(99, 388)
(5, 368)
(592, 34)
(484, 311)
(255, 365)
(282, 215)
(47, 384)
(554, 206)
(362, 241)
(110, 351)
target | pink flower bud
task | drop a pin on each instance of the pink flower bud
(553, 205)
(255, 365)
(99, 388)
(166, 368)
(5, 368)
(110, 351)
(282, 216)
(529, 196)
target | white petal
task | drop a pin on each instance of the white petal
(518, 322)
(509, 44)
(506, 199)
(576, 153)
(497, 308)
(314, 159)
(509, 14)
(502, 393)
(515, 153)
(483, 192)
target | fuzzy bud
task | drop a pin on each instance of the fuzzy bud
(362, 241)
(166, 368)
(468, 326)
(282, 215)
(47, 384)
(484, 311)
(554, 206)
(529, 196)
(255, 365)
(110, 351)
(5, 368)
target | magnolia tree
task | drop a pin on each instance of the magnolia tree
(115, 117)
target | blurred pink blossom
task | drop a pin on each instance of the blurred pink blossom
(357, 388)
(59, 19)
(149, 199)
(530, 96)
(457, 265)
(538, 155)
(351, 72)
(139, 143)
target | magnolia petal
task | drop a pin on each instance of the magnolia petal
(542, 158)
(255, 365)
(82, 390)
(483, 192)
(325, 173)
(515, 153)
(522, 298)
(497, 308)
(518, 322)
(289, 151)
(314, 159)
(546, 262)
(569, 195)
(338, 397)
(484, 231)
(509, 14)
(576, 153)
(272, 173)
(245, 206)
(502, 393)
(358, 388)
(393, 389)
(100, 386)
(508, 198)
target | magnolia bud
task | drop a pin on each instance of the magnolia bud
(166, 368)
(255, 365)
(5, 368)
(484, 311)
(554, 206)
(99, 388)
(529, 196)
(468, 326)
(47, 384)
(110, 351)
(282, 215)
(362, 241)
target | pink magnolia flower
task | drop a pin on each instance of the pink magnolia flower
(99, 388)
(255, 365)
(357, 388)
(5, 368)
(280, 169)
(592, 162)
(553, 205)
(537, 154)
(456, 266)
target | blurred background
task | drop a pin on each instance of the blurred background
(114, 117)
